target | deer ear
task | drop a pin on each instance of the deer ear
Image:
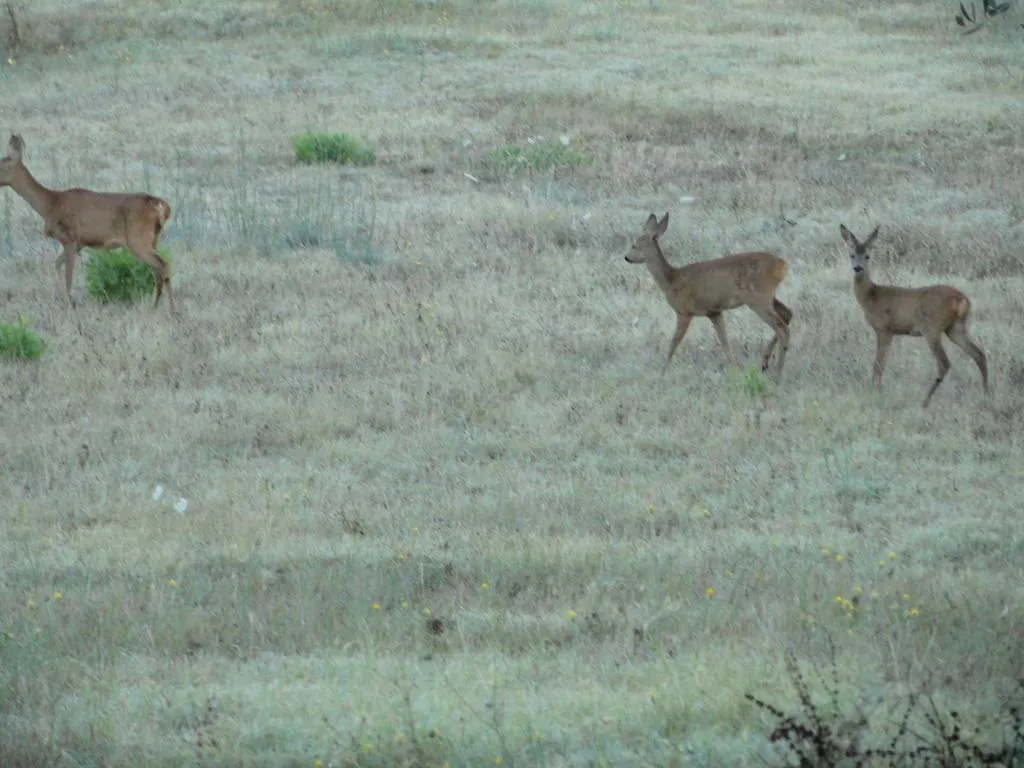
(872, 236)
(848, 237)
(662, 225)
(651, 223)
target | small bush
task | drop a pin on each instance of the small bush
(117, 275)
(535, 156)
(332, 148)
(19, 342)
(751, 381)
(835, 736)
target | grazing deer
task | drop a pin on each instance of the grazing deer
(709, 288)
(79, 218)
(929, 312)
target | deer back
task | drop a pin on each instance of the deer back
(731, 281)
(106, 219)
(928, 310)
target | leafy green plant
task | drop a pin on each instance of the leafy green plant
(117, 275)
(751, 381)
(535, 156)
(19, 342)
(332, 148)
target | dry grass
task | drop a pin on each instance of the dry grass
(452, 403)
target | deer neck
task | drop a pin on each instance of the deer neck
(35, 194)
(660, 269)
(862, 287)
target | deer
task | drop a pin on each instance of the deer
(709, 288)
(930, 312)
(80, 218)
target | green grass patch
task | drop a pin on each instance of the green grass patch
(339, 148)
(750, 380)
(534, 156)
(118, 275)
(19, 342)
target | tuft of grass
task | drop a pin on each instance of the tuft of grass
(537, 155)
(19, 342)
(339, 148)
(117, 275)
(751, 381)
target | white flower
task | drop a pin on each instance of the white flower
(158, 493)
(181, 507)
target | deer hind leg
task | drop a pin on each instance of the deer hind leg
(883, 341)
(957, 333)
(935, 342)
(782, 311)
(787, 315)
(776, 322)
(718, 321)
(161, 272)
(682, 326)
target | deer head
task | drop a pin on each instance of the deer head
(647, 244)
(10, 164)
(859, 255)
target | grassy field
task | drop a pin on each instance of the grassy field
(442, 506)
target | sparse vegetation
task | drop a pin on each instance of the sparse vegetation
(12, 13)
(117, 275)
(909, 730)
(536, 155)
(19, 342)
(446, 508)
(969, 19)
(332, 148)
(751, 381)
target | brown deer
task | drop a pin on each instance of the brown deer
(79, 218)
(929, 312)
(709, 288)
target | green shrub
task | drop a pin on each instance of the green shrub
(750, 380)
(332, 148)
(19, 342)
(537, 156)
(117, 275)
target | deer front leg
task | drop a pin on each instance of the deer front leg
(723, 338)
(67, 257)
(682, 326)
(883, 341)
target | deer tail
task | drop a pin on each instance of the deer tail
(962, 307)
(779, 269)
(163, 212)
